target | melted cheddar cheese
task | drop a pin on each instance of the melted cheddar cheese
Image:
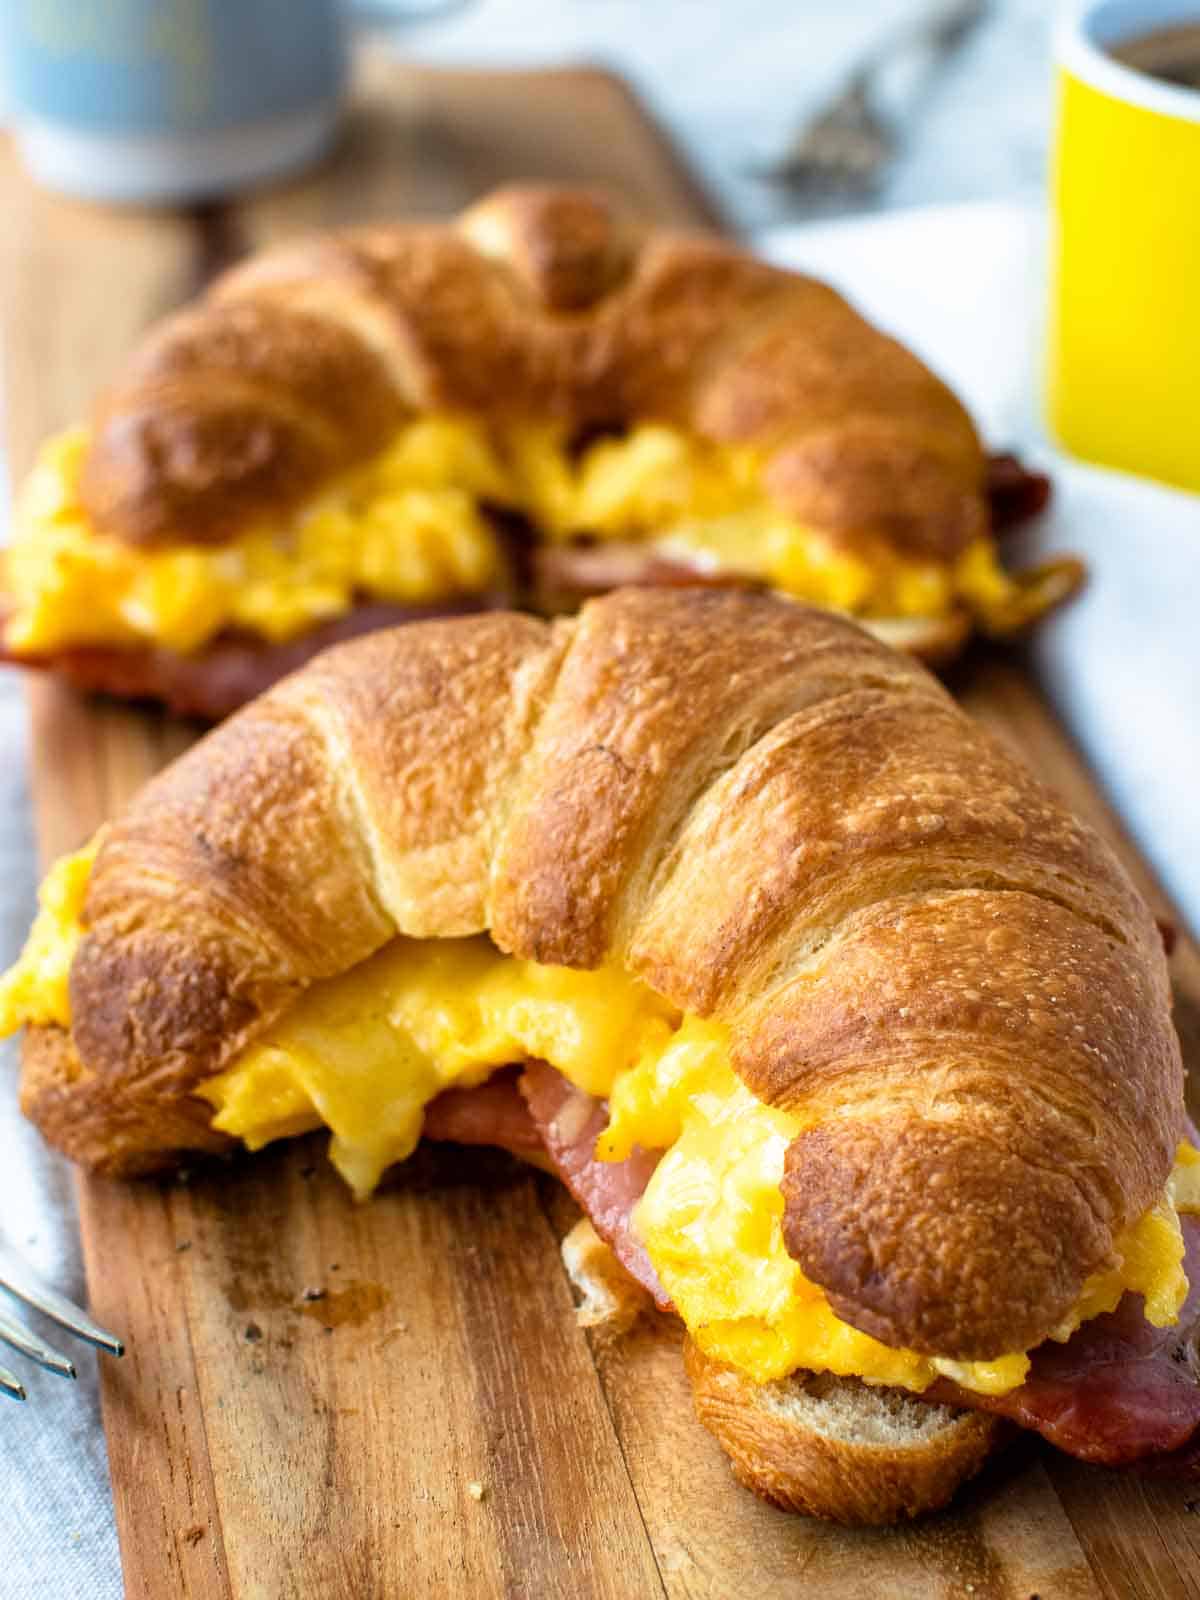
(408, 526)
(364, 1053)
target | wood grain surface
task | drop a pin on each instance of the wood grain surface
(394, 1400)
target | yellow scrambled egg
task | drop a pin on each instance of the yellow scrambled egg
(364, 1053)
(407, 526)
(36, 989)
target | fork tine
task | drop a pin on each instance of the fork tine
(22, 1339)
(16, 1278)
(10, 1385)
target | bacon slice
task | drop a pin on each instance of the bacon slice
(493, 1113)
(1015, 493)
(570, 1122)
(563, 576)
(1119, 1391)
(235, 666)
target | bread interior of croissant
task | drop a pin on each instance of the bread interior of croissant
(435, 516)
(829, 1447)
(364, 1053)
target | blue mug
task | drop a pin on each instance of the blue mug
(171, 100)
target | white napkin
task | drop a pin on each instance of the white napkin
(965, 287)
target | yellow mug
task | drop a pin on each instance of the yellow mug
(1124, 336)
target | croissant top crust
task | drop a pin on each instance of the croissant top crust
(772, 819)
(538, 303)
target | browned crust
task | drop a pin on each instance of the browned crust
(294, 840)
(538, 302)
(889, 1198)
(610, 1299)
(109, 1126)
(774, 820)
(661, 693)
(805, 1444)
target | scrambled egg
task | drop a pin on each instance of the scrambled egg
(36, 989)
(408, 526)
(364, 1053)
(711, 1222)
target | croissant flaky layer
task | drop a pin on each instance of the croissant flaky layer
(539, 303)
(770, 818)
(534, 403)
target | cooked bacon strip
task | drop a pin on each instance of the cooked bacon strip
(1014, 492)
(1119, 1390)
(492, 1113)
(563, 576)
(234, 667)
(570, 1122)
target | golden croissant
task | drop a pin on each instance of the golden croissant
(539, 401)
(852, 1041)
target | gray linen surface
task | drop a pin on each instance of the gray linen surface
(59, 1536)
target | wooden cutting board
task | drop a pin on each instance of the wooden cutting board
(394, 1400)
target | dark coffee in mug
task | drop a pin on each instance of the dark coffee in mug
(1170, 54)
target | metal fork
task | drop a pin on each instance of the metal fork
(17, 1280)
(847, 146)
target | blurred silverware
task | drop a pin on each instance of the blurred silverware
(17, 1280)
(846, 147)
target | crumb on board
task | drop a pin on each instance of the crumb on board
(310, 1296)
(184, 1244)
(194, 1534)
(252, 1333)
(476, 1490)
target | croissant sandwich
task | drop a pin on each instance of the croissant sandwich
(853, 1044)
(536, 403)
